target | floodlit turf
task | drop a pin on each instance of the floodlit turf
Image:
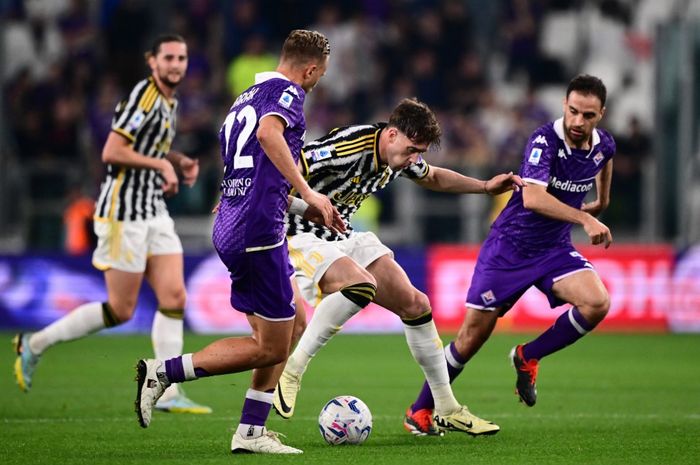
(622, 399)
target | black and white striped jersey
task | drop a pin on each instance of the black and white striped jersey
(147, 119)
(344, 165)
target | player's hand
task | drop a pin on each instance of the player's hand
(503, 183)
(314, 214)
(170, 182)
(597, 232)
(190, 170)
(321, 203)
(216, 207)
(594, 208)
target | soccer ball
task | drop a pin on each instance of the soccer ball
(345, 420)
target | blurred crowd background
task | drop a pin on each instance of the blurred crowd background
(493, 70)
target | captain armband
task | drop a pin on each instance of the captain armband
(298, 206)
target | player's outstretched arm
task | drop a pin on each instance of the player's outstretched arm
(446, 180)
(503, 183)
(602, 186)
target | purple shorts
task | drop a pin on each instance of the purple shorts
(503, 273)
(260, 283)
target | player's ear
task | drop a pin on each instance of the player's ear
(151, 61)
(310, 70)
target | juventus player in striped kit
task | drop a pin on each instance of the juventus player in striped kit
(136, 236)
(348, 165)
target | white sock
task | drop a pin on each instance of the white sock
(80, 322)
(166, 335)
(330, 315)
(426, 347)
(167, 339)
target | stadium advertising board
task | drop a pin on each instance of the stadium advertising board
(648, 291)
(651, 288)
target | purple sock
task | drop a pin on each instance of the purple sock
(256, 407)
(569, 328)
(455, 365)
(174, 370)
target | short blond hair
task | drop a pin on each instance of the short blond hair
(302, 46)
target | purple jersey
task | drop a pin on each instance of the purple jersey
(568, 173)
(253, 192)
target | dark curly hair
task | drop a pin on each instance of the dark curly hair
(417, 121)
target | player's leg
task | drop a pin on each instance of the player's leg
(267, 347)
(299, 318)
(396, 293)
(122, 290)
(223, 356)
(165, 275)
(299, 327)
(121, 254)
(497, 282)
(260, 286)
(476, 328)
(251, 435)
(349, 289)
(590, 300)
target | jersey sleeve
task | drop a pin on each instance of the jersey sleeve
(132, 113)
(315, 158)
(417, 170)
(609, 143)
(285, 100)
(537, 158)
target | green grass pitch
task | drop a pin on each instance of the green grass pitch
(609, 399)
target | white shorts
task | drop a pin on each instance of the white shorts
(126, 245)
(312, 257)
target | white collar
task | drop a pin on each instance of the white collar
(267, 75)
(559, 129)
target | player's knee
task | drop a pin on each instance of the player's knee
(174, 298)
(415, 305)
(596, 307)
(116, 313)
(362, 293)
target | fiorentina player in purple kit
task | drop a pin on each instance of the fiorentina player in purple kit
(261, 141)
(530, 245)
